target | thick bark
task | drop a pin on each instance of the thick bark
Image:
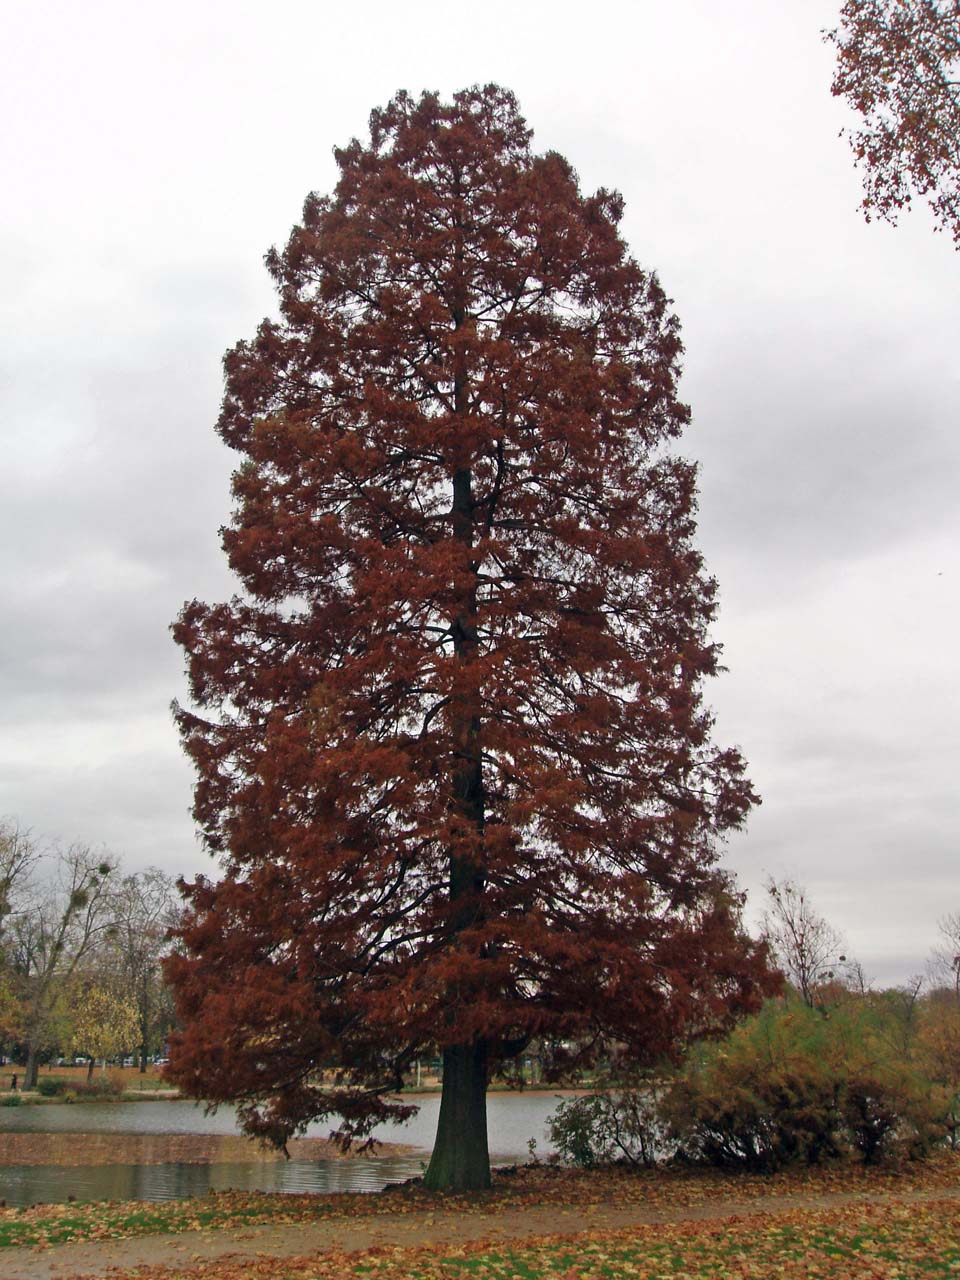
(460, 1159)
(30, 1074)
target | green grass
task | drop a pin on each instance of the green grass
(909, 1241)
(55, 1224)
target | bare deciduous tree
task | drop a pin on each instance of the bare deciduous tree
(146, 906)
(807, 948)
(945, 964)
(56, 928)
(18, 855)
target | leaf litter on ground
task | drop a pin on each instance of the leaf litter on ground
(661, 1190)
(889, 1240)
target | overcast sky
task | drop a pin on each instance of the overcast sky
(152, 154)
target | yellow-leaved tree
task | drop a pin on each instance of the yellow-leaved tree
(105, 1023)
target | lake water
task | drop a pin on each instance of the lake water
(513, 1119)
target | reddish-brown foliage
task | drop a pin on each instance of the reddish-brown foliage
(898, 65)
(450, 741)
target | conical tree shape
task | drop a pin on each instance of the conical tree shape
(449, 740)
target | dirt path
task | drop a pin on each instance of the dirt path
(407, 1230)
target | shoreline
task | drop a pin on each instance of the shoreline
(63, 1151)
(35, 1099)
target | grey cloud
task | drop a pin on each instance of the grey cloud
(810, 457)
(133, 800)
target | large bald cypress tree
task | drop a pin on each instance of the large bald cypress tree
(449, 739)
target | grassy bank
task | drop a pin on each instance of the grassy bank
(115, 1083)
(659, 1190)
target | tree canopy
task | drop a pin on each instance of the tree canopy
(898, 65)
(450, 741)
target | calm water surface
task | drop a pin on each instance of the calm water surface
(513, 1119)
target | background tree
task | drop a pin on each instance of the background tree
(899, 1011)
(18, 856)
(50, 937)
(105, 1023)
(898, 65)
(11, 1010)
(945, 962)
(808, 950)
(450, 741)
(145, 907)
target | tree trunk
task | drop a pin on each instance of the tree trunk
(461, 1159)
(90, 1065)
(30, 1074)
(144, 1022)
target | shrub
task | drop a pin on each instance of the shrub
(894, 1111)
(764, 1097)
(791, 1085)
(11, 1100)
(800, 1084)
(603, 1128)
(51, 1086)
(98, 1087)
(938, 1046)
